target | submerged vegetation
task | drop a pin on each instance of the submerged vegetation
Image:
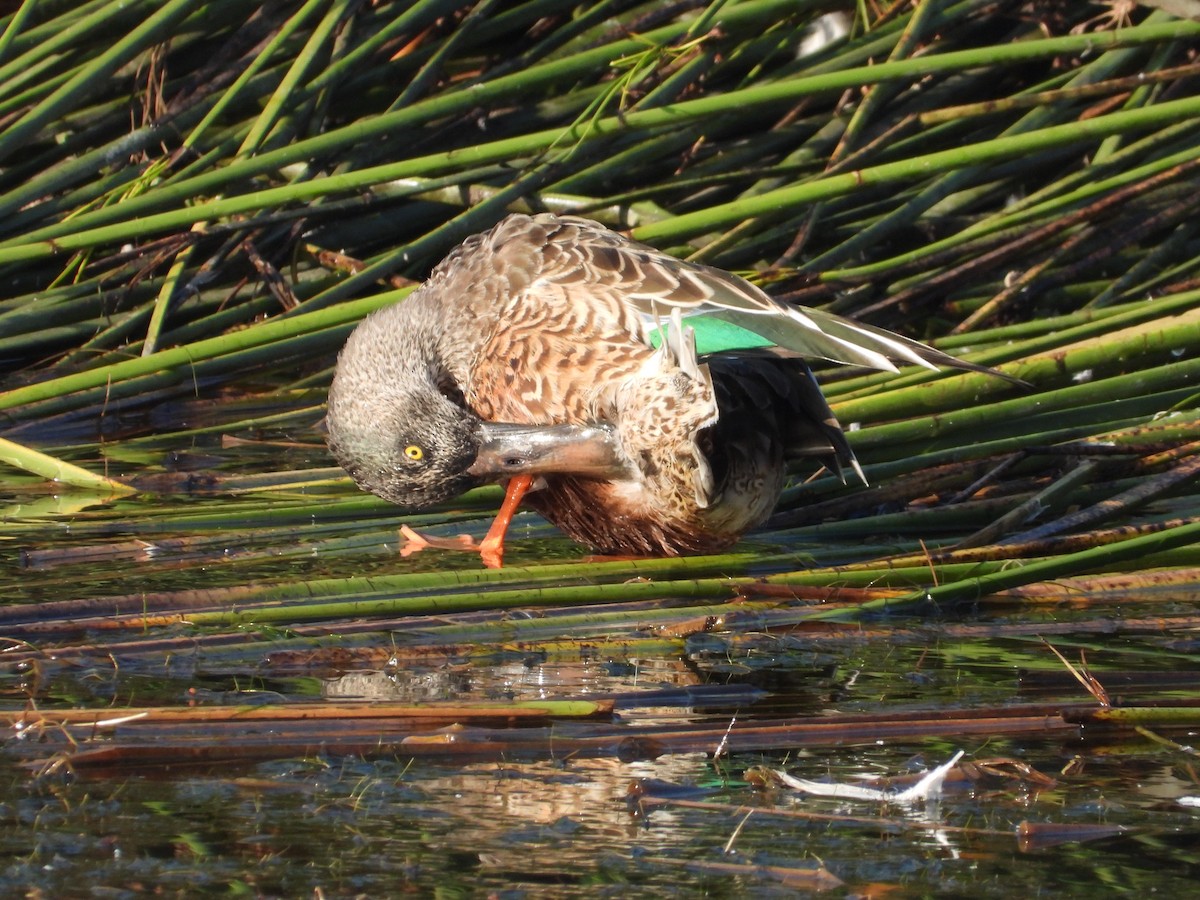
(198, 201)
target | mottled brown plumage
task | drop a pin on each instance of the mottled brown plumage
(549, 321)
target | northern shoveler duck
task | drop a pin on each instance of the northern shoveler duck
(560, 356)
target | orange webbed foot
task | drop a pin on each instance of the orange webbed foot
(491, 548)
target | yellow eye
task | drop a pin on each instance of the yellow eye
(413, 452)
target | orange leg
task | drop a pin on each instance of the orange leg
(491, 549)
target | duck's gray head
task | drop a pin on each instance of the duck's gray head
(398, 423)
(394, 420)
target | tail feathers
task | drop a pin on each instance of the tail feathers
(780, 397)
(818, 424)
